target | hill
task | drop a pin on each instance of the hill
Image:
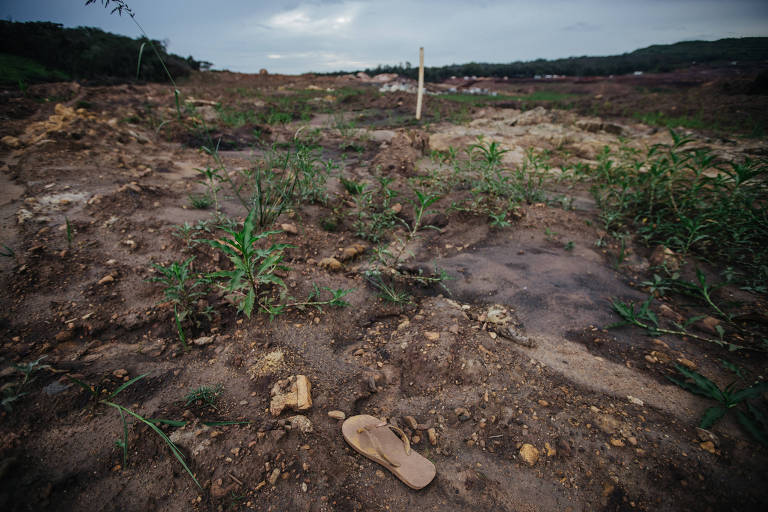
(656, 58)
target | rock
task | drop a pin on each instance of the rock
(203, 340)
(303, 486)
(352, 251)
(11, 142)
(635, 401)
(708, 446)
(411, 422)
(529, 454)
(301, 423)
(337, 415)
(274, 476)
(330, 264)
(618, 443)
(687, 363)
(668, 312)
(289, 228)
(396, 208)
(543, 403)
(121, 373)
(432, 434)
(550, 450)
(292, 393)
(707, 436)
(217, 491)
(462, 413)
(64, 335)
(708, 324)
(432, 336)
(106, 279)
(607, 423)
(662, 256)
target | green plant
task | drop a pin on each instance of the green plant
(211, 177)
(499, 219)
(205, 395)
(253, 267)
(314, 299)
(642, 316)
(386, 291)
(422, 201)
(273, 188)
(750, 417)
(353, 187)
(70, 232)
(122, 410)
(183, 288)
(15, 390)
(200, 201)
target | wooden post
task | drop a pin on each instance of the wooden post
(420, 92)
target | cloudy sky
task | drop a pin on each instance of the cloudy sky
(295, 36)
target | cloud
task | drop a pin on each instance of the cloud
(314, 20)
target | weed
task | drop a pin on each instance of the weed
(750, 417)
(314, 299)
(205, 395)
(183, 288)
(15, 390)
(200, 201)
(252, 267)
(211, 177)
(422, 201)
(123, 443)
(386, 291)
(642, 316)
(568, 246)
(70, 232)
(498, 219)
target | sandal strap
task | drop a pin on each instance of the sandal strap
(377, 445)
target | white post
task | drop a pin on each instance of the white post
(420, 92)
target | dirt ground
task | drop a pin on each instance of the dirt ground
(94, 181)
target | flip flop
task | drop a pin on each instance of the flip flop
(376, 440)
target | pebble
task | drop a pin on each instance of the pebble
(543, 403)
(432, 336)
(687, 363)
(121, 373)
(432, 434)
(462, 413)
(529, 454)
(411, 422)
(289, 228)
(303, 487)
(330, 264)
(708, 446)
(274, 476)
(635, 401)
(337, 415)
(618, 443)
(106, 279)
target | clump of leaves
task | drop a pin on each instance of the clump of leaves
(205, 395)
(387, 291)
(752, 418)
(12, 391)
(253, 268)
(200, 201)
(183, 288)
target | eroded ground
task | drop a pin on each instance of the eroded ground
(117, 165)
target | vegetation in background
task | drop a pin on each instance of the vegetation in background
(43, 51)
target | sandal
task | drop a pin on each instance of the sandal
(376, 440)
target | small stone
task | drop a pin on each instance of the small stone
(330, 264)
(709, 324)
(707, 436)
(432, 434)
(337, 415)
(274, 476)
(217, 490)
(396, 208)
(632, 440)
(106, 279)
(402, 325)
(708, 446)
(411, 422)
(415, 439)
(651, 359)
(203, 340)
(529, 454)
(432, 336)
(303, 486)
(687, 363)
(462, 413)
(635, 401)
(380, 473)
(618, 443)
(550, 450)
(64, 335)
(121, 373)
(300, 423)
(543, 403)
(289, 228)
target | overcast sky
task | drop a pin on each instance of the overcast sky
(295, 36)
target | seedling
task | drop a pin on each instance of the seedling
(750, 417)
(13, 391)
(205, 395)
(70, 232)
(387, 291)
(123, 443)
